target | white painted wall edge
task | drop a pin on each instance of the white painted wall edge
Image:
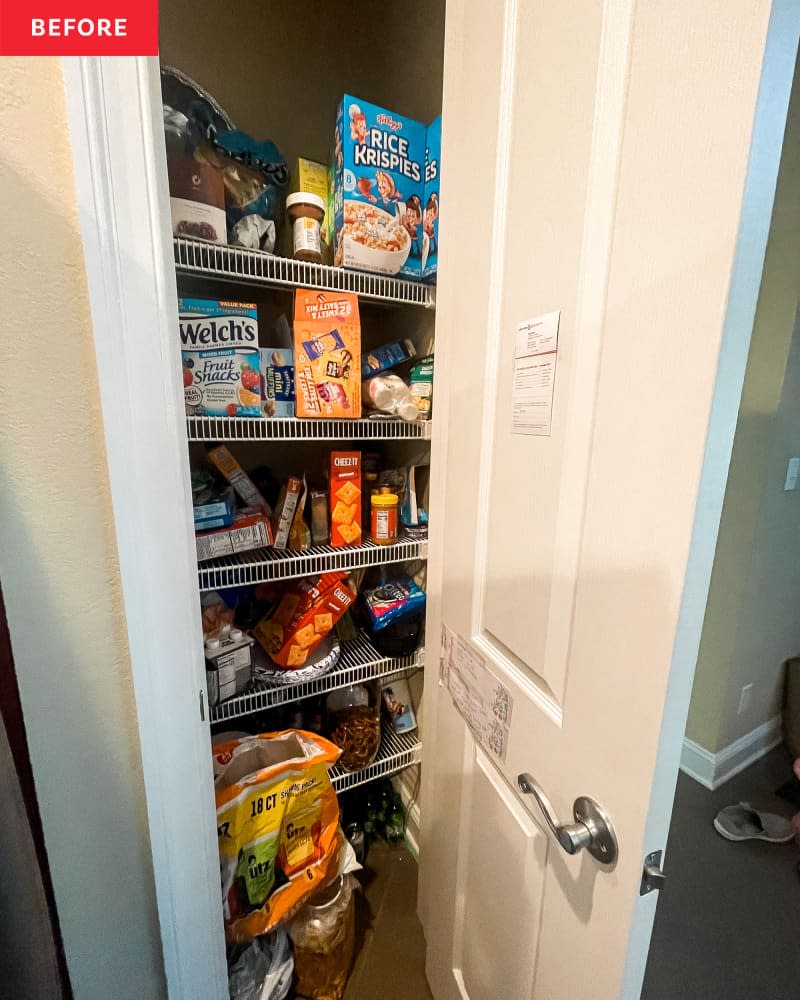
(713, 769)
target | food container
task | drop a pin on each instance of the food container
(385, 517)
(323, 935)
(354, 724)
(229, 664)
(305, 212)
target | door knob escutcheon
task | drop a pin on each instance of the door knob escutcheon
(592, 828)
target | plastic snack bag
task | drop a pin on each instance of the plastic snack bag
(263, 971)
(277, 827)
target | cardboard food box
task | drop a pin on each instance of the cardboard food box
(430, 212)
(306, 614)
(250, 530)
(277, 381)
(219, 347)
(224, 462)
(312, 177)
(285, 508)
(379, 184)
(197, 200)
(345, 498)
(327, 354)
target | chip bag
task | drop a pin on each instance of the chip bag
(277, 827)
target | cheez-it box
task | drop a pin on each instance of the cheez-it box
(345, 498)
(327, 354)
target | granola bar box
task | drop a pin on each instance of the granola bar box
(379, 186)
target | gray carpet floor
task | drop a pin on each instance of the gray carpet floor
(728, 923)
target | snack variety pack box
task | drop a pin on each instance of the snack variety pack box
(379, 186)
(345, 498)
(430, 214)
(219, 344)
(327, 354)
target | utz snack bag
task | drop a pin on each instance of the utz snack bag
(221, 362)
(379, 186)
(430, 211)
(327, 354)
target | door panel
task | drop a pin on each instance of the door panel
(613, 194)
(505, 863)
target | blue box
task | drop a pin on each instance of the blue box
(430, 213)
(379, 186)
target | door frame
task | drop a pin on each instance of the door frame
(114, 108)
(115, 112)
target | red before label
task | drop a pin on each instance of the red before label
(82, 28)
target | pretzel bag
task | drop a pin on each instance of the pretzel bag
(277, 827)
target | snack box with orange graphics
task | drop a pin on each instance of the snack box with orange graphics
(345, 498)
(327, 354)
(307, 612)
(221, 360)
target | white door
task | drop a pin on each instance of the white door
(595, 163)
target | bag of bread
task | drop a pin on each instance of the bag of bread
(277, 827)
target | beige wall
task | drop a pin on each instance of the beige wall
(753, 616)
(58, 563)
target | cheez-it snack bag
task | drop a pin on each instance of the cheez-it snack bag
(345, 498)
(327, 354)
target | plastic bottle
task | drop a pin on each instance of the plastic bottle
(390, 394)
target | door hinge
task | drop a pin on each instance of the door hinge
(202, 708)
(652, 876)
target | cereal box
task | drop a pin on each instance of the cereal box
(379, 160)
(345, 498)
(327, 354)
(219, 342)
(430, 213)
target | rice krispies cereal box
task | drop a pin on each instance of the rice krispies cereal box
(219, 346)
(430, 212)
(327, 354)
(379, 184)
(345, 498)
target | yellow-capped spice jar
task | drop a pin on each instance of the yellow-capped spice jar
(385, 521)
(305, 212)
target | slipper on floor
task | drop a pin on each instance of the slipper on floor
(742, 822)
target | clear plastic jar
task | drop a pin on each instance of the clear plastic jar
(323, 935)
(354, 724)
(385, 520)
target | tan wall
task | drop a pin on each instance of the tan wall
(58, 562)
(753, 616)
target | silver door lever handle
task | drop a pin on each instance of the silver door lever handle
(592, 828)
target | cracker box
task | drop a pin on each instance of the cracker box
(430, 213)
(327, 354)
(250, 530)
(379, 184)
(219, 346)
(227, 466)
(345, 498)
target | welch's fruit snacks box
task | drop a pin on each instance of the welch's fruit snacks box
(219, 346)
(379, 184)
(430, 211)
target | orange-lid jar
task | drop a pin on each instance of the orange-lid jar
(305, 212)
(385, 517)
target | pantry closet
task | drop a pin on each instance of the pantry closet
(279, 77)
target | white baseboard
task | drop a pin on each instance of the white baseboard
(714, 769)
(407, 784)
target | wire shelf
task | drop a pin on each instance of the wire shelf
(294, 429)
(396, 752)
(266, 565)
(215, 260)
(360, 661)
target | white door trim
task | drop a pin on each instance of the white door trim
(759, 195)
(114, 108)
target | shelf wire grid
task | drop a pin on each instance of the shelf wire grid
(294, 429)
(397, 750)
(359, 662)
(268, 565)
(238, 264)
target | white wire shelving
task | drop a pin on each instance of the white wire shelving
(214, 260)
(359, 662)
(294, 429)
(267, 565)
(396, 752)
